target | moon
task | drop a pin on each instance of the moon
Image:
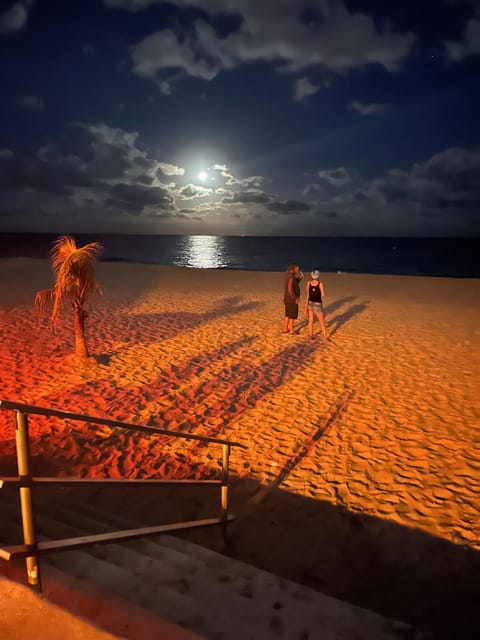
(203, 175)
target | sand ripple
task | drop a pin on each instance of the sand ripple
(383, 419)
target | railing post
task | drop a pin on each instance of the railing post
(224, 492)
(23, 464)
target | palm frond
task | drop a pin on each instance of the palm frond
(43, 299)
(74, 273)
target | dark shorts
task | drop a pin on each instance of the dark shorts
(291, 310)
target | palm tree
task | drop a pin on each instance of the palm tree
(74, 281)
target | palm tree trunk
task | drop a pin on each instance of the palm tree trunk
(81, 350)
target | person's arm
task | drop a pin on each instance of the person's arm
(290, 289)
(322, 290)
(296, 289)
(306, 296)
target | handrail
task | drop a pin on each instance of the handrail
(65, 415)
(31, 549)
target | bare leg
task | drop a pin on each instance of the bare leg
(321, 320)
(310, 323)
(285, 325)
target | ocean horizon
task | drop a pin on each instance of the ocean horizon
(440, 257)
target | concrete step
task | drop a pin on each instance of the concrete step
(202, 590)
(167, 587)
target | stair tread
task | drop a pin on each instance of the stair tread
(185, 583)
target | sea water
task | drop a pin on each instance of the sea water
(449, 257)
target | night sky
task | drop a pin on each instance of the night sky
(227, 117)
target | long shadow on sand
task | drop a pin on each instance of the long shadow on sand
(339, 320)
(145, 328)
(337, 304)
(188, 397)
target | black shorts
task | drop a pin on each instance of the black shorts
(291, 310)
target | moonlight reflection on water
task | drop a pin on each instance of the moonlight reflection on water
(202, 252)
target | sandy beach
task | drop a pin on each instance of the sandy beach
(361, 476)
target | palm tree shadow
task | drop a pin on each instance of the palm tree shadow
(208, 407)
(146, 328)
(342, 318)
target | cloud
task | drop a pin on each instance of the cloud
(336, 177)
(39, 176)
(129, 5)
(103, 175)
(247, 197)
(30, 102)
(190, 191)
(230, 180)
(163, 50)
(368, 109)
(271, 31)
(287, 207)
(304, 88)
(165, 88)
(96, 175)
(469, 44)
(14, 18)
(135, 197)
(440, 196)
(171, 169)
(450, 179)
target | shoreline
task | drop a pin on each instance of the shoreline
(427, 257)
(356, 448)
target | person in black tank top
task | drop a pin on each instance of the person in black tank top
(314, 303)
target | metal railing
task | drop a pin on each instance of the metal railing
(31, 549)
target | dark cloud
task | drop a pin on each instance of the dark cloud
(469, 43)
(14, 17)
(190, 191)
(328, 214)
(287, 206)
(444, 190)
(136, 197)
(448, 180)
(41, 176)
(247, 197)
(30, 102)
(108, 161)
(368, 109)
(391, 193)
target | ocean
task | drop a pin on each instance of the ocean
(446, 257)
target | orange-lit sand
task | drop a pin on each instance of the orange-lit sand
(379, 422)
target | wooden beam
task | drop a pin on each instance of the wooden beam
(60, 482)
(50, 546)
(64, 415)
